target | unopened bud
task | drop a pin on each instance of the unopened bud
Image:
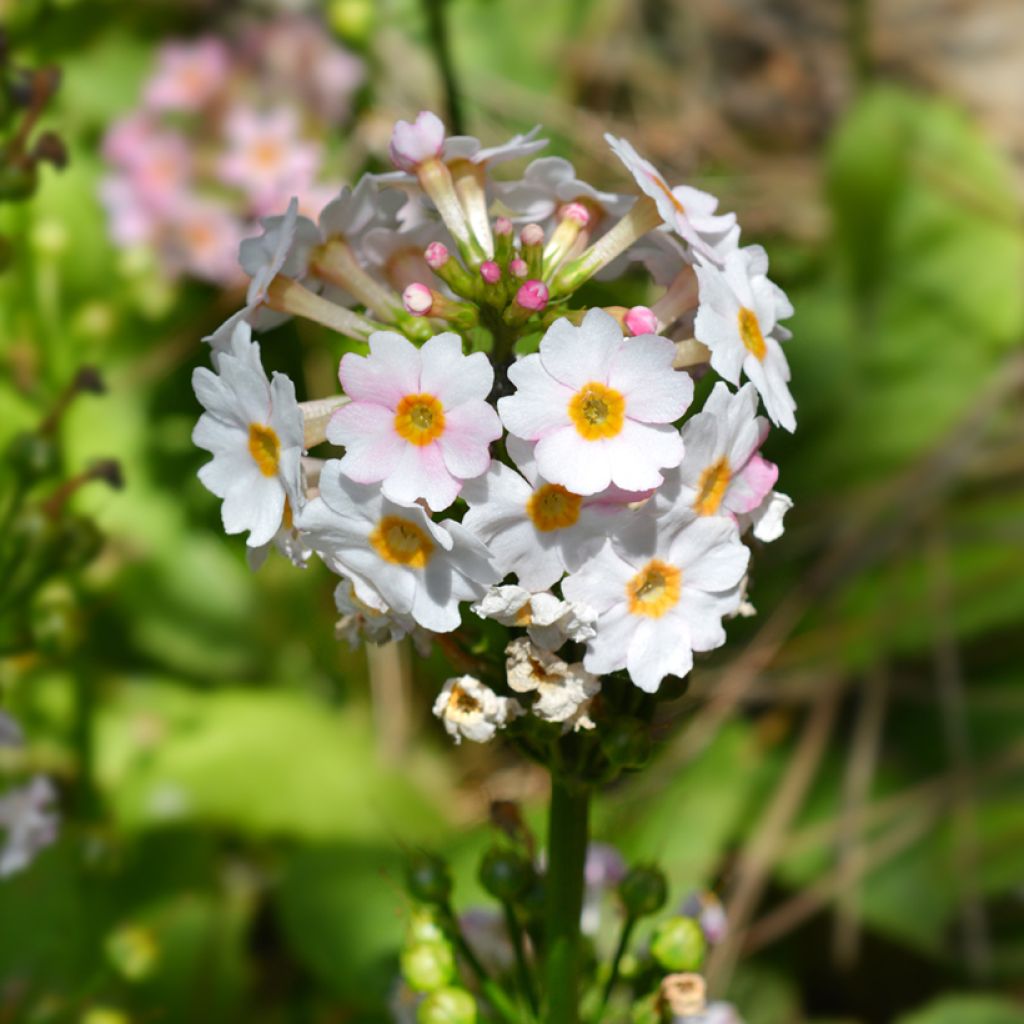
(505, 874)
(49, 148)
(428, 966)
(532, 235)
(436, 255)
(490, 272)
(428, 878)
(575, 212)
(503, 226)
(133, 951)
(532, 295)
(423, 926)
(413, 143)
(33, 456)
(640, 320)
(643, 891)
(447, 1006)
(678, 944)
(518, 268)
(418, 299)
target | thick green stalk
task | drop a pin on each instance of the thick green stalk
(567, 854)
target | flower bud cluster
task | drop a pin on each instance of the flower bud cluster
(506, 453)
(226, 133)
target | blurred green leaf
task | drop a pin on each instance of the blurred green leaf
(966, 1010)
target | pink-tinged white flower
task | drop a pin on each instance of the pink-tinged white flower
(660, 589)
(722, 472)
(283, 248)
(253, 428)
(534, 529)
(418, 421)
(363, 621)
(131, 221)
(467, 708)
(30, 825)
(563, 691)
(766, 521)
(354, 211)
(599, 406)
(687, 211)
(157, 162)
(267, 157)
(188, 75)
(467, 147)
(548, 620)
(394, 553)
(550, 183)
(738, 320)
(201, 239)
(414, 143)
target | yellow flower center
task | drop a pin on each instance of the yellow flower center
(654, 589)
(287, 517)
(401, 542)
(419, 419)
(524, 617)
(750, 332)
(461, 702)
(597, 411)
(711, 488)
(662, 185)
(552, 507)
(265, 448)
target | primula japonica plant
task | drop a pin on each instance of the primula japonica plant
(528, 480)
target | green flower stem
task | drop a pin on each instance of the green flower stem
(620, 952)
(567, 853)
(515, 934)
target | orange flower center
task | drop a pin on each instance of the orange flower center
(419, 419)
(267, 154)
(654, 589)
(552, 507)
(461, 702)
(265, 448)
(597, 411)
(401, 542)
(750, 332)
(711, 488)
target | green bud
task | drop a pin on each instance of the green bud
(423, 926)
(33, 456)
(643, 891)
(428, 878)
(17, 182)
(79, 541)
(505, 874)
(132, 950)
(351, 19)
(646, 1011)
(104, 1015)
(428, 966)
(678, 944)
(447, 1006)
(54, 621)
(626, 742)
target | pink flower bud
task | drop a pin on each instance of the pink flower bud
(577, 212)
(411, 144)
(502, 226)
(532, 295)
(532, 234)
(436, 255)
(490, 271)
(640, 320)
(518, 268)
(418, 299)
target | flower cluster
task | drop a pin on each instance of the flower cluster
(226, 133)
(506, 452)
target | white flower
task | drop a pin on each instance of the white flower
(535, 529)
(600, 406)
(548, 619)
(418, 420)
(687, 211)
(767, 518)
(722, 472)
(355, 211)
(469, 708)
(466, 147)
(394, 553)
(30, 826)
(660, 589)
(364, 621)
(418, 141)
(738, 320)
(253, 428)
(563, 691)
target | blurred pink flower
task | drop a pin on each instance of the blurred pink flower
(203, 241)
(188, 75)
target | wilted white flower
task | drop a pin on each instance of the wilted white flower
(563, 691)
(30, 825)
(469, 708)
(548, 620)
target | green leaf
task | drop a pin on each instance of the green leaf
(966, 1010)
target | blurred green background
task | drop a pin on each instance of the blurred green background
(848, 774)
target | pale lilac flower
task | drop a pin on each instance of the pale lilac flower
(686, 210)
(534, 529)
(738, 320)
(188, 75)
(600, 406)
(29, 823)
(394, 553)
(418, 420)
(266, 156)
(722, 472)
(468, 708)
(253, 428)
(660, 589)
